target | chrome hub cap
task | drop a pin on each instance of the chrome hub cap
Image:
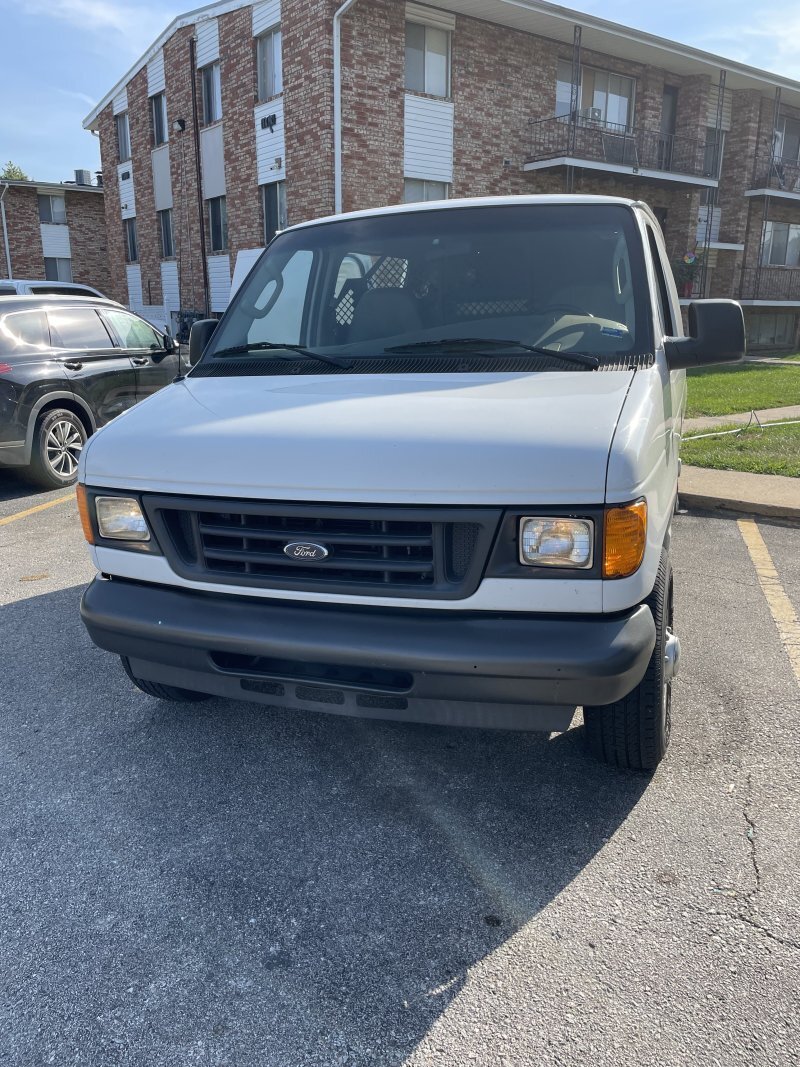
(672, 656)
(63, 448)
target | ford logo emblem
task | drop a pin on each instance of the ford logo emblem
(307, 551)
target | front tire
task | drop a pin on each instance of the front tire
(162, 692)
(633, 733)
(57, 445)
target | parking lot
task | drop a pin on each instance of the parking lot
(222, 884)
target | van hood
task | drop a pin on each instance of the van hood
(531, 438)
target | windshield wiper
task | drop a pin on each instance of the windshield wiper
(292, 352)
(479, 343)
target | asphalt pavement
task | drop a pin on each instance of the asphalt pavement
(223, 884)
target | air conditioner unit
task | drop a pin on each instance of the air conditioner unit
(591, 114)
(83, 177)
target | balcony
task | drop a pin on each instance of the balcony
(770, 285)
(615, 149)
(776, 177)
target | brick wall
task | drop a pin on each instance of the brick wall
(118, 284)
(146, 223)
(24, 235)
(239, 96)
(183, 170)
(87, 238)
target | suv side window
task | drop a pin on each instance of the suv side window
(661, 285)
(132, 332)
(78, 328)
(24, 330)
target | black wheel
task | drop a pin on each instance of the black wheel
(163, 692)
(57, 444)
(634, 732)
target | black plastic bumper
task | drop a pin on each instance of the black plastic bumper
(518, 671)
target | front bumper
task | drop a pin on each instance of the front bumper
(490, 670)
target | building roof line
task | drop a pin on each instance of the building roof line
(556, 12)
(64, 187)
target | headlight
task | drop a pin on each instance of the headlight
(120, 518)
(554, 542)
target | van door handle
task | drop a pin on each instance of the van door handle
(139, 361)
(73, 364)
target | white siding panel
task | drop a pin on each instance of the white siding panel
(207, 42)
(169, 286)
(270, 144)
(155, 74)
(212, 160)
(156, 314)
(162, 179)
(265, 16)
(134, 273)
(219, 281)
(430, 16)
(120, 102)
(702, 218)
(428, 139)
(127, 198)
(245, 260)
(55, 240)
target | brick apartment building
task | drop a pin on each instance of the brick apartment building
(242, 117)
(54, 231)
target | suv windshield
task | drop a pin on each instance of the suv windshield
(552, 276)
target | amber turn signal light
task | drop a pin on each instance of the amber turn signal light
(625, 539)
(83, 511)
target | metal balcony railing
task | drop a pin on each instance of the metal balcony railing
(618, 145)
(782, 175)
(770, 283)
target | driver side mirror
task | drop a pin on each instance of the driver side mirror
(199, 336)
(716, 335)
(169, 342)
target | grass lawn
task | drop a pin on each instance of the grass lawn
(771, 452)
(725, 390)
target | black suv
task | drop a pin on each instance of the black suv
(67, 366)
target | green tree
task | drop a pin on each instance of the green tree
(14, 173)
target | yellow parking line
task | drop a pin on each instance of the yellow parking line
(39, 507)
(779, 603)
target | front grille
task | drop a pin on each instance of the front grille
(392, 551)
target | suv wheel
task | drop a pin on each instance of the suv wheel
(57, 443)
(634, 732)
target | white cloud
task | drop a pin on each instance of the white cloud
(132, 27)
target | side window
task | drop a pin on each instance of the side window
(78, 328)
(24, 331)
(132, 332)
(661, 285)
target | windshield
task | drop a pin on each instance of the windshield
(552, 276)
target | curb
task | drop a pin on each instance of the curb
(709, 502)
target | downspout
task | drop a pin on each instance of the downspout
(337, 105)
(5, 231)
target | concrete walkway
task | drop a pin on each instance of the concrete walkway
(712, 422)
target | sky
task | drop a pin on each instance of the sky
(59, 57)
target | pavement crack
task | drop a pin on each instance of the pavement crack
(787, 942)
(750, 834)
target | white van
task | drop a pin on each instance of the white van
(424, 468)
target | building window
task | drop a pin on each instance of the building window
(774, 330)
(52, 209)
(57, 270)
(427, 59)
(123, 138)
(165, 233)
(787, 140)
(131, 243)
(212, 94)
(603, 97)
(415, 190)
(781, 244)
(270, 64)
(274, 199)
(218, 223)
(158, 117)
